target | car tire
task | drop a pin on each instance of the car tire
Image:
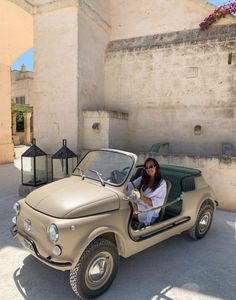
(203, 222)
(96, 269)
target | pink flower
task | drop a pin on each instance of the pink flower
(218, 13)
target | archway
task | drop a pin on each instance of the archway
(16, 36)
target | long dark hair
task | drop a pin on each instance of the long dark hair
(145, 181)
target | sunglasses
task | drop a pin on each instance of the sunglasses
(150, 167)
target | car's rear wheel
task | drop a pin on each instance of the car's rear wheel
(203, 222)
(95, 270)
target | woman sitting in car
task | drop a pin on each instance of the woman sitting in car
(150, 190)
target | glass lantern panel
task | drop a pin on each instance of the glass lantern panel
(28, 171)
(61, 170)
(41, 170)
(72, 163)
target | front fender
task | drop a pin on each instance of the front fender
(84, 243)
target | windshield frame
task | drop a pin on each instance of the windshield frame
(131, 155)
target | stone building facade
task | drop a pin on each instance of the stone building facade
(173, 84)
(144, 67)
(22, 86)
(22, 97)
(149, 61)
(16, 36)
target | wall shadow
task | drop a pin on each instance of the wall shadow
(35, 280)
(10, 179)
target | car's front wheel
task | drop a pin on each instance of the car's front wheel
(203, 222)
(95, 270)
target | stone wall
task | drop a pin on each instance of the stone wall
(56, 78)
(93, 37)
(6, 146)
(71, 61)
(70, 42)
(118, 137)
(130, 18)
(177, 84)
(171, 83)
(104, 129)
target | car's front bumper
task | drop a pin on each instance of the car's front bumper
(30, 245)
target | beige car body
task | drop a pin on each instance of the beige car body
(84, 209)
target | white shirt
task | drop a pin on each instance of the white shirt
(157, 196)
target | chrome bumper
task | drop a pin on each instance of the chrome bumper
(30, 245)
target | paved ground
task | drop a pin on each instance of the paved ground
(177, 269)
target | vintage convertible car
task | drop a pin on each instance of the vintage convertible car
(84, 223)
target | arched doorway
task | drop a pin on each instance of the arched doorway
(16, 36)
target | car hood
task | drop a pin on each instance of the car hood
(73, 197)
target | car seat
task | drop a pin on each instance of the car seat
(162, 211)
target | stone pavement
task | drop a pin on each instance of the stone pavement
(176, 269)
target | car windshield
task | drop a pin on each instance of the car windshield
(105, 166)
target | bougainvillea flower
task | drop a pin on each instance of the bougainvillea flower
(217, 14)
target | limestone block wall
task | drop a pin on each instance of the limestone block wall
(56, 78)
(92, 41)
(96, 130)
(220, 174)
(93, 37)
(98, 9)
(70, 42)
(104, 129)
(6, 146)
(118, 131)
(171, 84)
(130, 18)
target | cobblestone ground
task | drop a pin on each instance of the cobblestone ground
(178, 268)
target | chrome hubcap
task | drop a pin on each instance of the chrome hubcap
(99, 270)
(204, 222)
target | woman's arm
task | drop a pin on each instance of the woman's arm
(146, 200)
(133, 184)
(157, 197)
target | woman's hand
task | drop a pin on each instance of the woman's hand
(136, 194)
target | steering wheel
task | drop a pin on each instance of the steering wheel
(114, 178)
(125, 170)
(115, 175)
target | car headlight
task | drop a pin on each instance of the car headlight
(16, 208)
(53, 233)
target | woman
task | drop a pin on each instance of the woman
(152, 192)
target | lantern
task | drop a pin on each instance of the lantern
(34, 167)
(63, 162)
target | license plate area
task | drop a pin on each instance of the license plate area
(28, 244)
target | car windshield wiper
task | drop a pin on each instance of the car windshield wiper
(99, 175)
